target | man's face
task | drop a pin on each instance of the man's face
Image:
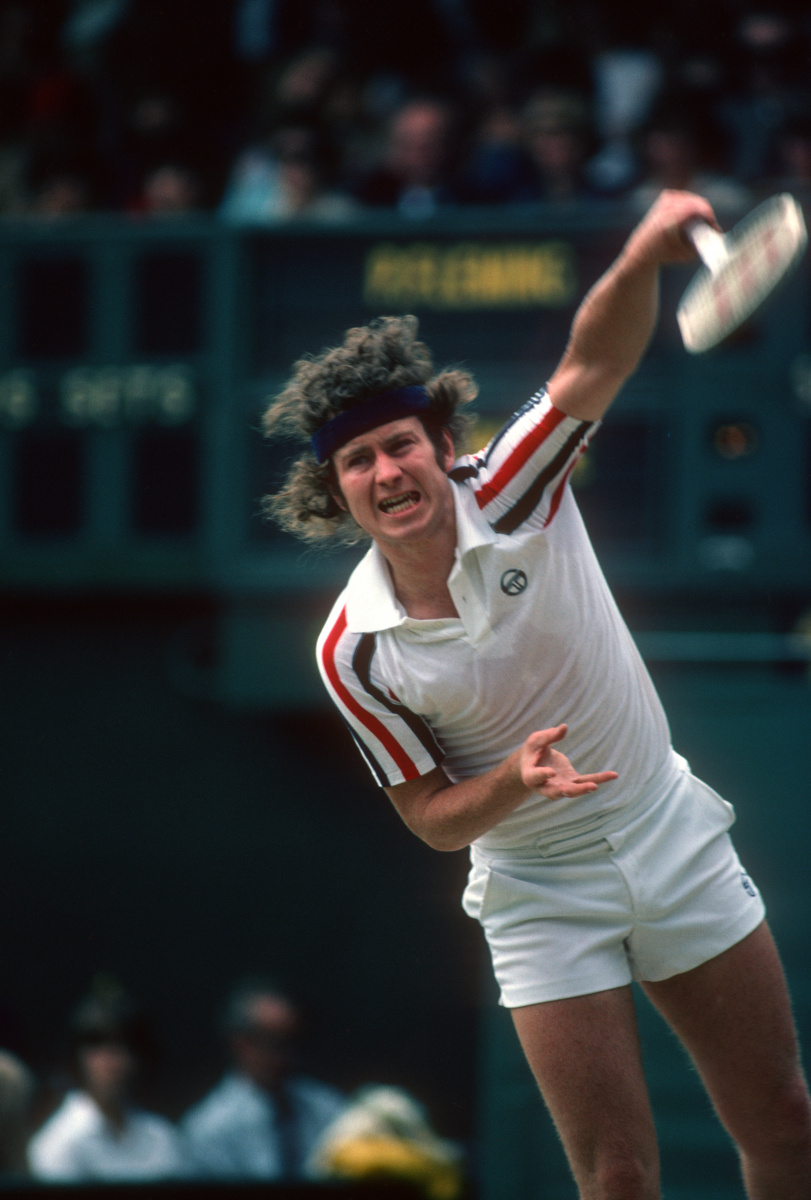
(418, 146)
(107, 1071)
(265, 1051)
(394, 483)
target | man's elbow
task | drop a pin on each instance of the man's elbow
(439, 836)
(448, 843)
(430, 816)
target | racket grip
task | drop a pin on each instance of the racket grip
(710, 245)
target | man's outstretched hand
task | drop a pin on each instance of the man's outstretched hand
(548, 772)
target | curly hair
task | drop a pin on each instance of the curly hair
(375, 358)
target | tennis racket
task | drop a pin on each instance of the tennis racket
(740, 269)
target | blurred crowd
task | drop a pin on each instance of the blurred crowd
(264, 1119)
(267, 110)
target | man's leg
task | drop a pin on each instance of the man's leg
(734, 1016)
(584, 1053)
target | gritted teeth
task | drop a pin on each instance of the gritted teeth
(396, 504)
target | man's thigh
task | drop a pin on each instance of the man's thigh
(585, 1056)
(733, 1014)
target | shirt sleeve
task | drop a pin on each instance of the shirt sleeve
(521, 474)
(397, 744)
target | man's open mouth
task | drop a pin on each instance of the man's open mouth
(398, 504)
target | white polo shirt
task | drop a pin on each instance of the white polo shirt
(538, 641)
(79, 1144)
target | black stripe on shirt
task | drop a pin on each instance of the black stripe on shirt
(361, 664)
(527, 503)
(377, 770)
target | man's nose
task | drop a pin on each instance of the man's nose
(387, 468)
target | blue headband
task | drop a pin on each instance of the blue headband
(352, 422)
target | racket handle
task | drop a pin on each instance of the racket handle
(709, 243)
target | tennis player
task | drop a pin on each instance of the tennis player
(475, 639)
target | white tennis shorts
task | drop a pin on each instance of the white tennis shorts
(658, 896)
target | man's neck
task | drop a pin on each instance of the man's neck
(114, 1110)
(420, 579)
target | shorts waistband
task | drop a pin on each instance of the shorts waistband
(563, 840)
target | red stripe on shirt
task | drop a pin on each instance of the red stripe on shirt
(375, 727)
(519, 456)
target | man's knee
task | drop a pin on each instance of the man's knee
(784, 1127)
(791, 1112)
(626, 1175)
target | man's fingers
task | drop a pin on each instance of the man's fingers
(580, 787)
(546, 737)
(555, 788)
(597, 777)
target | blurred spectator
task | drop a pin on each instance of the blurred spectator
(316, 89)
(559, 140)
(61, 182)
(770, 87)
(541, 159)
(495, 167)
(170, 189)
(96, 1133)
(185, 50)
(497, 170)
(793, 155)
(677, 150)
(301, 89)
(159, 131)
(417, 170)
(385, 1134)
(16, 1096)
(263, 1119)
(289, 177)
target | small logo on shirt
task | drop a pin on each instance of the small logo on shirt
(747, 884)
(513, 582)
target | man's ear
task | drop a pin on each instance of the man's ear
(337, 496)
(334, 488)
(448, 450)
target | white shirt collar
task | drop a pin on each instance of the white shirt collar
(472, 530)
(371, 605)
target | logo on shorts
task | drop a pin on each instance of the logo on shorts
(513, 582)
(747, 884)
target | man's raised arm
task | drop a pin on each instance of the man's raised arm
(613, 325)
